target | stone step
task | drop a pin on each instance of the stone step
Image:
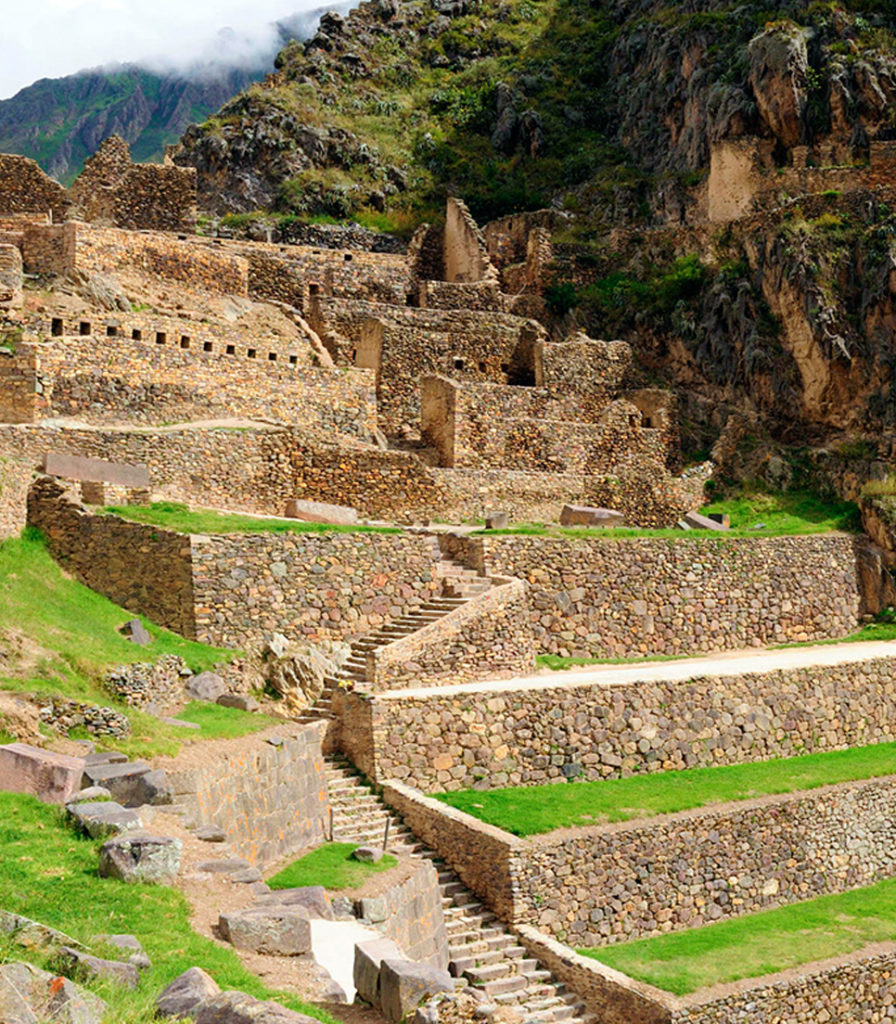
(488, 972)
(504, 986)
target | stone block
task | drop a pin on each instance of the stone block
(137, 633)
(32, 934)
(241, 701)
(106, 818)
(366, 970)
(77, 467)
(53, 778)
(239, 1008)
(697, 521)
(93, 492)
(141, 858)
(585, 515)
(28, 995)
(222, 867)
(404, 985)
(279, 931)
(132, 783)
(313, 898)
(320, 512)
(367, 854)
(188, 991)
(497, 521)
(87, 968)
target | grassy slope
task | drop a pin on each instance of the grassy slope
(49, 874)
(529, 810)
(758, 944)
(331, 866)
(792, 513)
(171, 515)
(72, 638)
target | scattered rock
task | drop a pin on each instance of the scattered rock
(242, 701)
(141, 858)
(206, 686)
(33, 935)
(211, 834)
(132, 783)
(246, 876)
(86, 967)
(585, 515)
(130, 944)
(136, 632)
(697, 521)
(29, 995)
(279, 931)
(367, 854)
(314, 898)
(90, 793)
(183, 997)
(107, 818)
(366, 969)
(239, 1008)
(221, 867)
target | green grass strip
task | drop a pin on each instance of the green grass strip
(331, 866)
(50, 875)
(171, 515)
(531, 810)
(758, 944)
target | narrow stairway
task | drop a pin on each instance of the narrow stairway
(459, 585)
(483, 952)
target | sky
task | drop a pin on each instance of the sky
(51, 38)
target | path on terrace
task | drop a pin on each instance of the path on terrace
(725, 663)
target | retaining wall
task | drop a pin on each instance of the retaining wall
(535, 732)
(270, 800)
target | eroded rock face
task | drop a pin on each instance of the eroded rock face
(779, 66)
(299, 674)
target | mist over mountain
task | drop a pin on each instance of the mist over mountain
(59, 122)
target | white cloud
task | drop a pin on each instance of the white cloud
(51, 38)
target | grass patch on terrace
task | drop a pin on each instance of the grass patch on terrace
(758, 944)
(331, 866)
(50, 875)
(792, 513)
(172, 515)
(60, 637)
(217, 722)
(557, 663)
(532, 810)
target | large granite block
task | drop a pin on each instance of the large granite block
(53, 778)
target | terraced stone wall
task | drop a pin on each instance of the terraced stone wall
(617, 598)
(116, 379)
(410, 913)
(10, 277)
(270, 799)
(436, 740)
(24, 188)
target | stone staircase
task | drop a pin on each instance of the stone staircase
(459, 585)
(483, 952)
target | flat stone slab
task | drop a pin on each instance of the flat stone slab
(241, 701)
(585, 515)
(132, 783)
(697, 521)
(188, 991)
(220, 867)
(53, 778)
(367, 854)
(320, 512)
(140, 857)
(81, 468)
(404, 985)
(279, 931)
(105, 818)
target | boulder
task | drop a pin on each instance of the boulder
(188, 991)
(369, 956)
(137, 633)
(404, 985)
(86, 967)
(140, 857)
(29, 995)
(367, 854)
(313, 898)
(585, 515)
(211, 834)
(206, 686)
(131, 945)
(53, 778)
(279, 931)
(245, 876)
(90, 793)
(241, 701)
(33, 935)
(239, 1008)
(299, 675)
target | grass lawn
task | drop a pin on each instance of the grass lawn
(331, 866)
(531, 810)
(50, 875)
(757, 944)
(752, 515)
(63, 637)
(171, 515)
(217, 722)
